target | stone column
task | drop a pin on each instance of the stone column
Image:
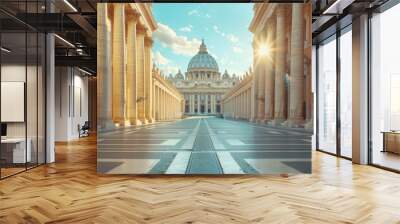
(308, 64)
(169, 106)
(131, 96)
(280, 66)
(261, 80)
(163, 110)
(140, 55)
(296, 106)
(154, 95)
(269, 69)
(157, 103)
(206, 105)
(212, 103)
(198, 103)
(148, 80)
(192, 100)
(248, 100)
(104, 74)
(118, 64)
(254, 87)
(242, 107)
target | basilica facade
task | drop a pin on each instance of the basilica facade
(203, 86)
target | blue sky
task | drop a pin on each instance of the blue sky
(224, 27)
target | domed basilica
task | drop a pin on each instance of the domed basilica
(202, 85)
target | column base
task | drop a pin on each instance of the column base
(293, 123)
(144, 121)
(276, 122)
(106, 126)
(260, 120)
(127, 123)
(119, 122)
(135, 122)
(309, 125)
(150, 120)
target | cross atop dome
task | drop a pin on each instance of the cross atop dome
(203, 47)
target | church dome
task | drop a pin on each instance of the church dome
(203, 60)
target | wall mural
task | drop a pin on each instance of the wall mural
(204, 88)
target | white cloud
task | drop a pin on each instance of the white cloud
(207, 15)
(193, 12)
(159, 59)
(232, 38)
(187, 28)
(180, 45)
(237, 49)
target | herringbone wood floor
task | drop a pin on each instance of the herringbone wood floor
(70, 191)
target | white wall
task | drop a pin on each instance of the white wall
(71, 102)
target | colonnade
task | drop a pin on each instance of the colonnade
(168, 101)
(236, 103)
(281, 77)
(126, 92)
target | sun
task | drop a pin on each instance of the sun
(264, 50)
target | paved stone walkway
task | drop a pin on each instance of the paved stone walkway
(204, 145)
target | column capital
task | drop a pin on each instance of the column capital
(132, 16)
(148, 41)
(280, 10)
(140, 29)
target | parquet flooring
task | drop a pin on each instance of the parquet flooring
(70, 191)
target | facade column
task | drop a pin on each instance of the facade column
(104, 74)
(212, 97)
(157, 103)
(269, 69)
(296, 102)
(242, 107)
(280, 66)
(248, 104)
(140, 74)
(148, 80)
(260, 61)
(131, 73)
(164, 109)
(308, 63)
(168, 106)
(255, 81)
(198, 103)
(192, 101)
(118, 60)
(206, 104)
